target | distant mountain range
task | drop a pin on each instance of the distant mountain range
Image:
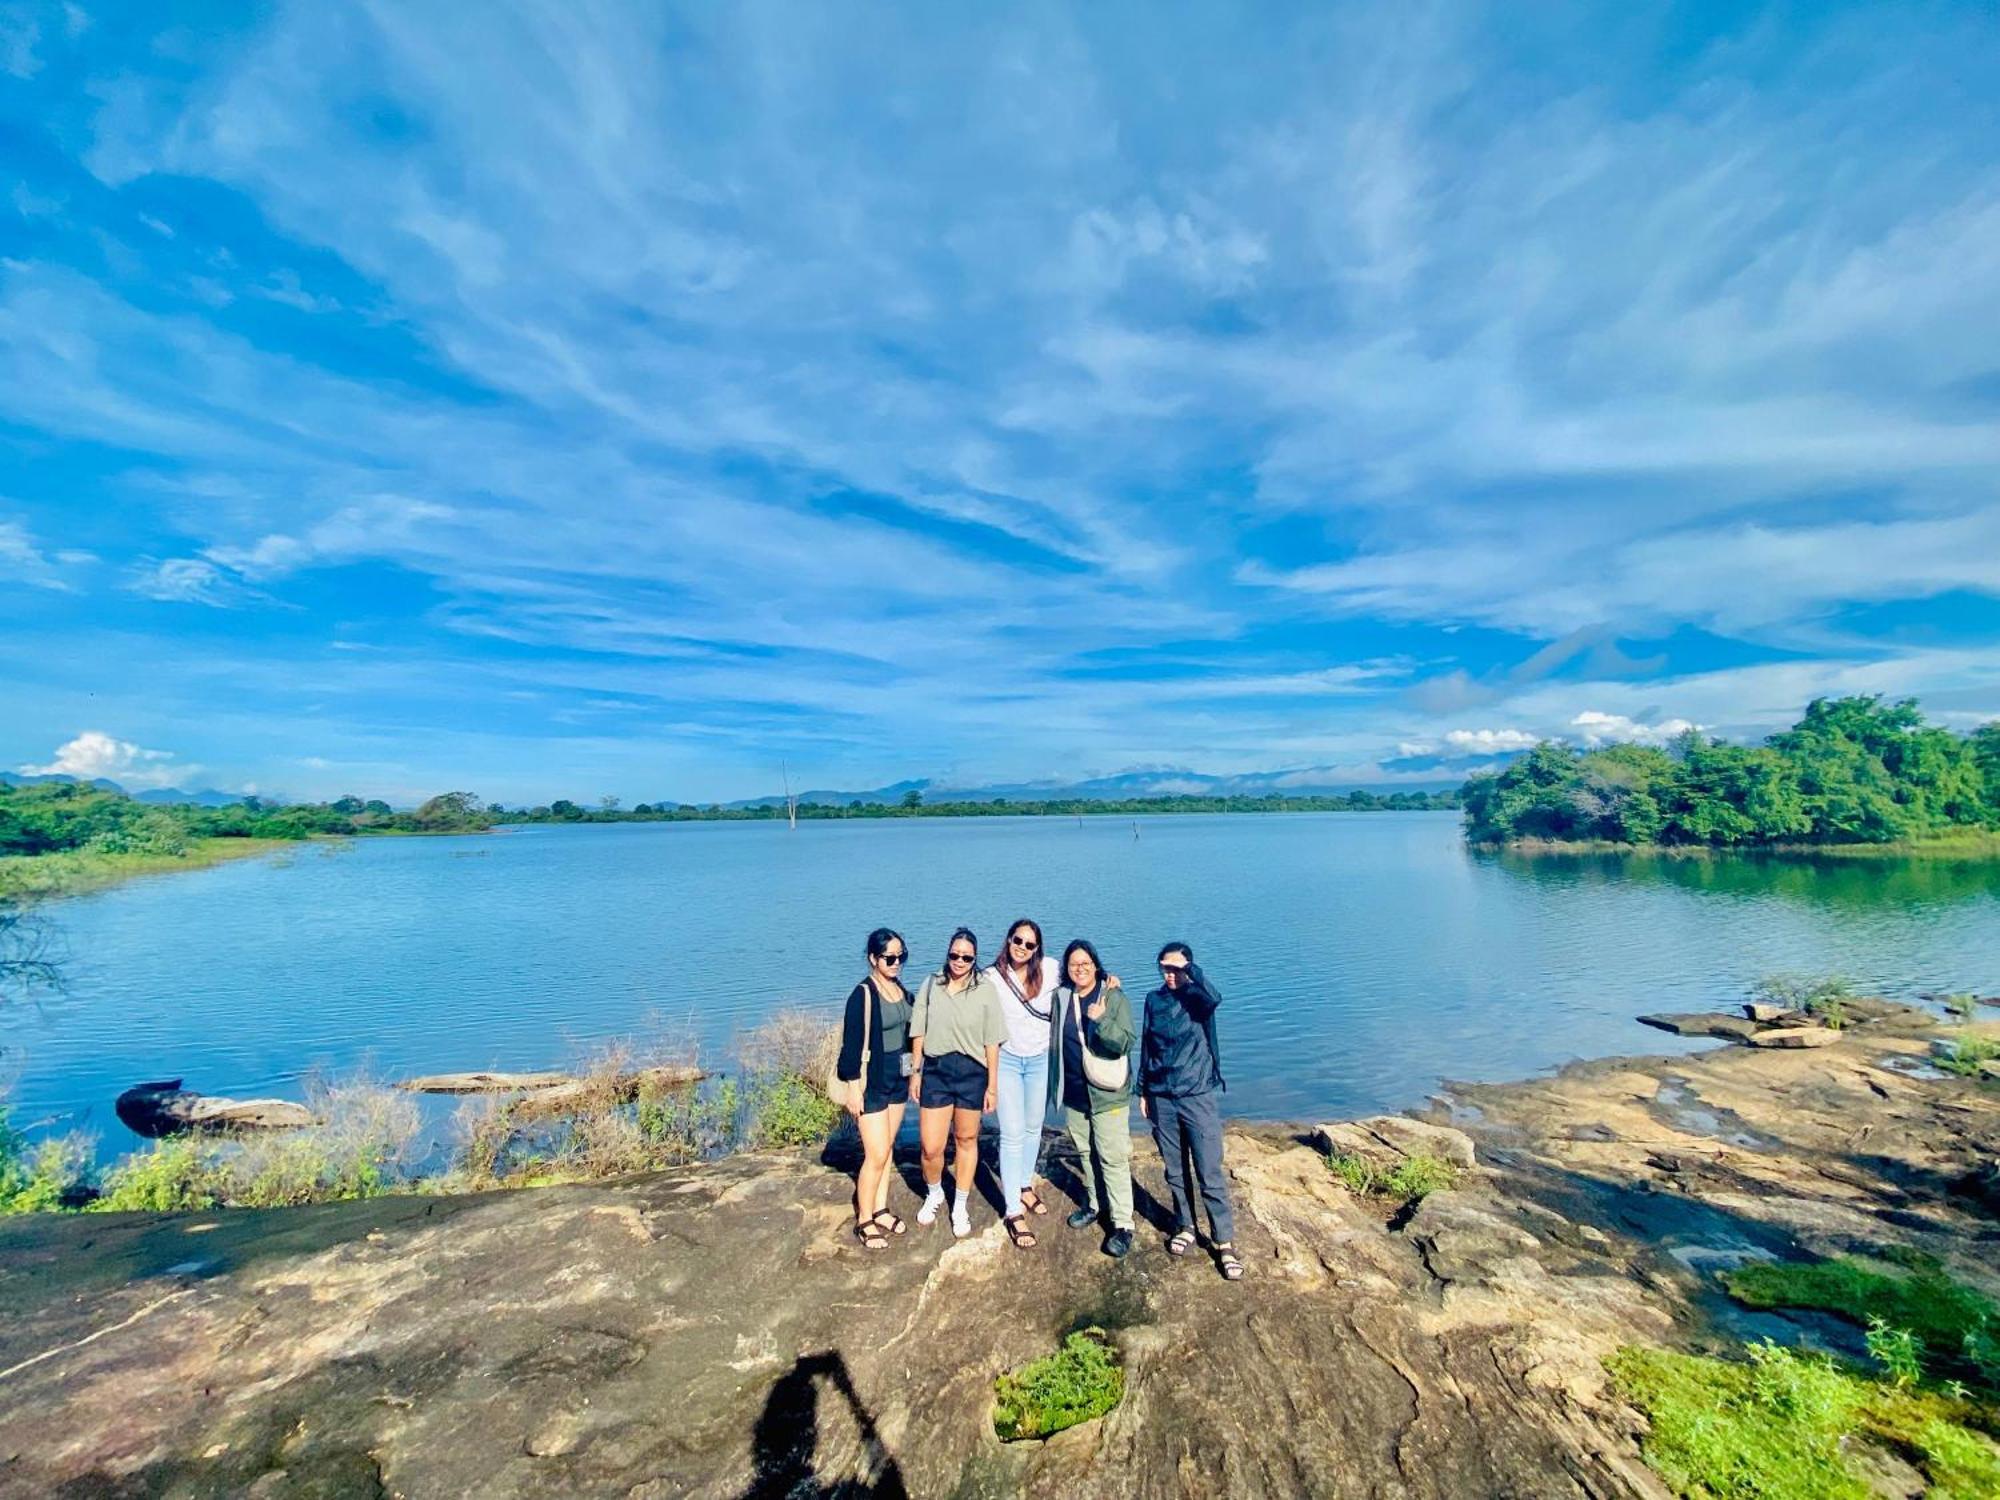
(1161, 781)
(159, 796)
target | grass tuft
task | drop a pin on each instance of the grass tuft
(1079, 1382)
(1412, 1178)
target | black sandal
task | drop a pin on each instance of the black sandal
(1032, 1201)
(1182, 1242)
(1227, 1262)
(871, 1236)
(1019, 1232)
(894, 1226)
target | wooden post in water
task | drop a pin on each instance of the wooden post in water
(791, 803)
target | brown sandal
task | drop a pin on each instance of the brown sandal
(894, 1224)
(1031, 1201)
(871, 1236)
(1019, 1232)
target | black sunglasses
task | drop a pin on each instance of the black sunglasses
(1021, 942)
(961, 958)
(1173, 968)
(892, 958)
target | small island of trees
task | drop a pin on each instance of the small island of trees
(1852, 771)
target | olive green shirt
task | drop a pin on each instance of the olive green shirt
(969, 1021)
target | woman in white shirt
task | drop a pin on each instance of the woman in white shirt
(1026, 977)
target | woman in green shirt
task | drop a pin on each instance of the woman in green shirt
(956, 1028)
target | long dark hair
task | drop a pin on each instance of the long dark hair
(944, 969)
(1034, 985)
(1083, 945)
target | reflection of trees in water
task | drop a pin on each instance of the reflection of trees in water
(787, 1438)
(1870, 883)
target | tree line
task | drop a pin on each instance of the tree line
(1851, 771)
(53, 817)
(913, 805)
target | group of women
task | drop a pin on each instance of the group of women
(1022, 1037)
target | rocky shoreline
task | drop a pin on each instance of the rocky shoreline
(713, 1331)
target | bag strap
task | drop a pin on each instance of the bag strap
(1020, 994)
(867, 1020)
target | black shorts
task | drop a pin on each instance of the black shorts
(957, 1080)
(874, 1100)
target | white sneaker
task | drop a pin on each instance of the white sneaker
(933, 1201)
(961, 1222)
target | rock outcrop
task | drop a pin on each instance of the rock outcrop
(164, 1108)
(717, 1332)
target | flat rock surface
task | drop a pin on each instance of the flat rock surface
(716, 1332)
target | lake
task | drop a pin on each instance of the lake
(1363, 956)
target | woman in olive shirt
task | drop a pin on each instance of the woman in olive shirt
(956, 1029)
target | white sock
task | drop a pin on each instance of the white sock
(933, 1201)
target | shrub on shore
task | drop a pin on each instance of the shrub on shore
(1082, 1380)
(356, 1149)
(1414, 1177)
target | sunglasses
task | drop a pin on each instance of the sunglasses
(961, 958)
(891, 959)
(1021, 942)
(1173, 968)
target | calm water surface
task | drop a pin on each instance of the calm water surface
(1363, 956)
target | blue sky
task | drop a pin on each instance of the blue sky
(629, 399)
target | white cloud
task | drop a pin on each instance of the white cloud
(1595, 729)
(186, 580)
(1489, 741)
(22, 559)
(95, 754)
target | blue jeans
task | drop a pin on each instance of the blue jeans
(1024, 1097)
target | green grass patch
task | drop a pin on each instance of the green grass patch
(1413, 1177)
(1079, 1382)
(1955, 1328)
(1782, 1426)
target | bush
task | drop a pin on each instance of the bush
(171, 1177)
(51, 1175)
(1415, 1177)
(356, 1150)
(1967, 1055)
(1076, 1384)
(789, 1110)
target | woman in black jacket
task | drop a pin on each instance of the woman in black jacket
(875, 1065)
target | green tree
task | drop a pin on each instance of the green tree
(913, 799)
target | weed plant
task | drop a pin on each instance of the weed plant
(1968, 1055)
(1953, 1330)
(1413, 1178)
(1824, 996)
(1079, 1382)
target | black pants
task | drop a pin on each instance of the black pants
(1191, 1126)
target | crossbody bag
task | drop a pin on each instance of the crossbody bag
(835, 1084)
(1107, 1073)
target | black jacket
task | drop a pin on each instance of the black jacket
(1178, 1053)
(885, 1071)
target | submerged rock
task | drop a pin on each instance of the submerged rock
(1702, 1023)
(164, 1108)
